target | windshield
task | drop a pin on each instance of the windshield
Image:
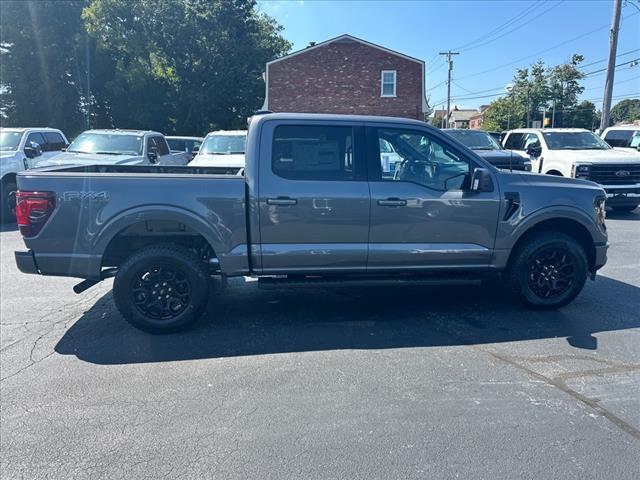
(574, 141)
(224, 144)
(475, 140)
(107, 144)
(9, 141)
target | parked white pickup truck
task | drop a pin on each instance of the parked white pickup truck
(118, 147)
(20, 148)
(623, 137)
(578, 153)
(223, 148)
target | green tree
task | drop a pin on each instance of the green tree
(531, 90)
(564, 86)
(625, 111)
(503, 114)
(42, 64)
(184, 66)
(584, 115)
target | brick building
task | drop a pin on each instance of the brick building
(346, 75)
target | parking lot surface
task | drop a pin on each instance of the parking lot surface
(356, 383)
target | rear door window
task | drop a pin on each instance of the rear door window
(313, 153)
(55, 141)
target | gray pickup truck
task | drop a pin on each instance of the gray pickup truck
(315, 207)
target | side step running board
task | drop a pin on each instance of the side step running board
(363, 281)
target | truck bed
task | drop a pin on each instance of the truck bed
(99, 207)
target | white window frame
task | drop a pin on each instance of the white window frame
(395, 83)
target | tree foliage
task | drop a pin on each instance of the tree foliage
(503, 114)
(541, 92)
(178, 66)
(626, 111)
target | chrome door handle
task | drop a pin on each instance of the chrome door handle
(392, 202)
(282, 201)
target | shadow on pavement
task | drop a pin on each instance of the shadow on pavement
(245, 320)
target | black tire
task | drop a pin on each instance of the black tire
(624, 208)
(161, 288)
(548, 271)
(8, 212)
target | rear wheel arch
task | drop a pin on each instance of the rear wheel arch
(136, 230)
(557, 173)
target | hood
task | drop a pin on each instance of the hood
(71, 158)
(8, 154)
(211, 160)
(594, 156)
(543, 180)
(503, 158)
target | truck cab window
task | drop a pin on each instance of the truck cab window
(313, 153)
(421, 159)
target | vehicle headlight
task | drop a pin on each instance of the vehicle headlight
(527, 165)
(580, 170)
(601, 214)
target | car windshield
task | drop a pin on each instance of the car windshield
(9, 141)
(574, 141)
(107, 144)
(475, 140)
(224, 144)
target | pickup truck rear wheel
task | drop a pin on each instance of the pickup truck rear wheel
(548, 271)
(161, 288)
(8, 212)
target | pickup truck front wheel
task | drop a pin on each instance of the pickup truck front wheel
(548, 271)
(161, 288)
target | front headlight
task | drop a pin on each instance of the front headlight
(527, 166)
(580, 170)
(601, 214)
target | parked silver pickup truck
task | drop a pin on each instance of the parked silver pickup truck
(314, 207)
(117, 147)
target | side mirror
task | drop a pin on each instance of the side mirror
(153, 156)
(481, 181)
(534, 150)
(32, 150)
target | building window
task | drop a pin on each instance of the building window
(388, 82)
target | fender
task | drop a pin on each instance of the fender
(510, 232)
(215, 233)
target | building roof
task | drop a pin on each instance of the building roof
(462, 115)
(345, 39)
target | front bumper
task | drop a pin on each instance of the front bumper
(622, 194)
(26, 262)
(601, 256)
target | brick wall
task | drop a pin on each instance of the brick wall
(344, 77)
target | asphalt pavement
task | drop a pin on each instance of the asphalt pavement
(389, 383)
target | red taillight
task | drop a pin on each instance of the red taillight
(33, 209)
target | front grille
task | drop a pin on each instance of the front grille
(609, 174)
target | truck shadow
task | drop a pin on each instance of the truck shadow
(248, 321)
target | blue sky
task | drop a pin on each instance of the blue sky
(488, 35)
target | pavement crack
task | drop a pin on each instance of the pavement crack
(558, 382)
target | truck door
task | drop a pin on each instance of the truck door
(423, 215)
(313, 198)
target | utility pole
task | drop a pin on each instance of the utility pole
(449, 54)
(611, 67)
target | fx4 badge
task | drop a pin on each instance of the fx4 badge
(84, 195)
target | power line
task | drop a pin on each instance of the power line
(605, 59)
(553, 47)
(508, 32)
(517, 17)
(616, 66)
